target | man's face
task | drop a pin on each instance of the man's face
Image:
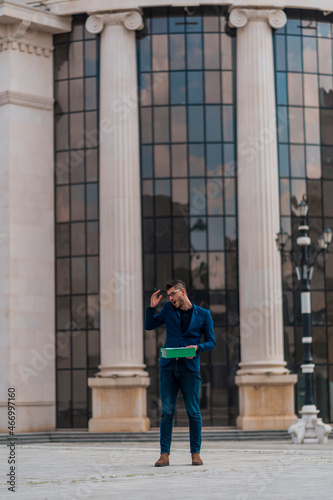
(176, 296)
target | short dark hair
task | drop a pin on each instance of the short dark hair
(174, 283)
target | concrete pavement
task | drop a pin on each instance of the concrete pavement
(231, 471)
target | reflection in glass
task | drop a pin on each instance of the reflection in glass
(92, 278)
(161, 124)
(61, 132)
(214, 196)
(92, 238)
(180, 234)
(280, 53)
(147, 199)
(230, 233)
(216, 271)
(297, 162)
(228, 123)
(284, 197)
(211, 51)
(311, 90)
(194, 51)
(145, 89)
(212, 87)
(196, 159)
(294, 53)
(61, 61)
(227, 87)
(63, 277)
(76, 59)
(162, 197)
(92, 201)
(195, 124)
(195, 87)
(214, 159)
(62, 240)
(179, 160)
(232, 270)
(213, 123)
(198, 234)
(313, 163)
(312, 133)
(226, 52)
(230, 196)
(160, 88)
(309, 55)
(91, 93)
(62, 204)
(281, 88)
(61, 97)
(215, 233)
(163, 269)
(315, 206)
(78, 274)
(78, 238)
(177, 88)
(63, 350)
(160, 53)
(91, 165)
(162, 161)
(77, 166)
(325, 56)
(79, 349)
(284, 160)
(198, 200)
(298, 191)
(179, 197)
(63, 313)
(177, 51)
(295, 89)
(199, 270)
(76, 130)
(147, 161)
(178, 124)
(90, 58)
(145, 53)
(326, 126)
(328, 198)
(296, 132)
(181, 266)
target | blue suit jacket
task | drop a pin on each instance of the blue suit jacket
(201, 324)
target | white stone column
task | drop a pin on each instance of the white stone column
(266, 387)
(119, 390)
(27, 316)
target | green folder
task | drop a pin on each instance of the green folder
(177, 352)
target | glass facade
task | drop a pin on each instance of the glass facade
(304, 92)
(76, 67)
(189, 207)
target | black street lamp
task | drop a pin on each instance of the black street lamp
(308, 429)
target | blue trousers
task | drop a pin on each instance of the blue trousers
(172, 377)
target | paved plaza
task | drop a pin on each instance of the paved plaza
(256, 470)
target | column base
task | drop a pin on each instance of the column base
(266, 402)
(119, 404)
(309, 429)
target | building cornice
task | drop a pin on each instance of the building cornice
(71, 7)
(38, 19)
(28, 100)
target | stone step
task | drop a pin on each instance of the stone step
(150, 436)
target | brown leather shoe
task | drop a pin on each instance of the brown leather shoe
(196, 460)
(163, 460)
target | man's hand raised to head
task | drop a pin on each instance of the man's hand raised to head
(154, 300)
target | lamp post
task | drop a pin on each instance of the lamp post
(309, 428)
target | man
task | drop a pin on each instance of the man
(185, 324)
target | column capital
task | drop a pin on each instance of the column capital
(130, 19)
(239, 18)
